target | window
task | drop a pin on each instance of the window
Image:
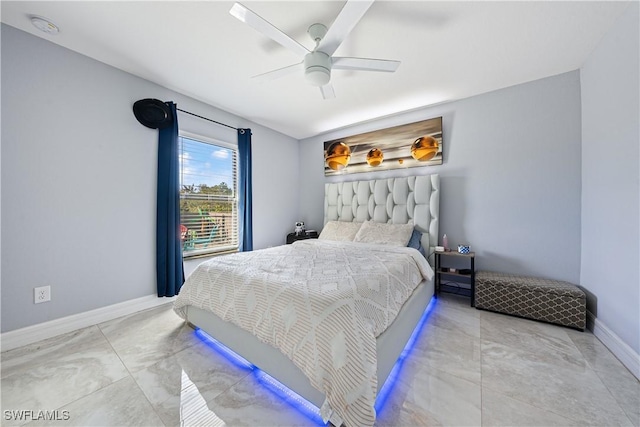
(208, 195)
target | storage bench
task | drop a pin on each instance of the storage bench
(548, 300)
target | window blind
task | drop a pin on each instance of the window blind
(208, 196)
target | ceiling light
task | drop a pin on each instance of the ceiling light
(317, 68)
(317, 76)
(45, 25)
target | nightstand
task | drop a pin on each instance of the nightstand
(455, 276)
(292, 237)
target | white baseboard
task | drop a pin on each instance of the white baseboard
(30, 334)
(619, 348)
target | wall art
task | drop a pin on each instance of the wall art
(404, 146)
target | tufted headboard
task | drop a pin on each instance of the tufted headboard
(392, 200)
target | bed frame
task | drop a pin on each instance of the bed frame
(392, 200)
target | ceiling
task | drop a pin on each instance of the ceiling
(449, 50)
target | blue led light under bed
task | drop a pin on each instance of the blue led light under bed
(298, 402)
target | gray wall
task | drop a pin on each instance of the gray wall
(610, 268)
(78, 180)
(510, 179)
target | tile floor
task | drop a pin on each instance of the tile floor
(469, 367)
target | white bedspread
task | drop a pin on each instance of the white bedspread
(321, 303)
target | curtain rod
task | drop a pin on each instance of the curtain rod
(208, 119)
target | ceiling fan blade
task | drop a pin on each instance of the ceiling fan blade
(348, 17)
(259, 24)
(280, 72)
(364, 64)
(327, 91)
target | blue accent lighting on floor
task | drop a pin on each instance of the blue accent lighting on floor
(294, 399)
(387, 387)
(289, 396)
(225, 351)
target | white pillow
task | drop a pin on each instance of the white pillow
(340, 231)
(384, 234)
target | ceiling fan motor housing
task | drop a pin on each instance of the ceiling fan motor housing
(317, 68)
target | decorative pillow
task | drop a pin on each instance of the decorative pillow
(384, 234)
(340, 231)
(415, 242)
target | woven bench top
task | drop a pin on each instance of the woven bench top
(537, 284)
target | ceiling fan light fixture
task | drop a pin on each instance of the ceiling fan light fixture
(317, 68)
(317, 76)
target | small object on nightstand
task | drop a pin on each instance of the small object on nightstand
(439, 248)
(445, 242)
(463, 249)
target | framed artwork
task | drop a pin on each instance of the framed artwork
(404, 146)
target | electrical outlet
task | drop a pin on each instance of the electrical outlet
(42, 294)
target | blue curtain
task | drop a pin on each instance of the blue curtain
(169, 267)
(244, 189)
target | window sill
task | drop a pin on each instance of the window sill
(209, 254)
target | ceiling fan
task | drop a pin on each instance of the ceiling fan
(318, 63)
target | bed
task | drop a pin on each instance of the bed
(340, 362)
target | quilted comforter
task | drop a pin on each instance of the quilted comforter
(322, 303)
